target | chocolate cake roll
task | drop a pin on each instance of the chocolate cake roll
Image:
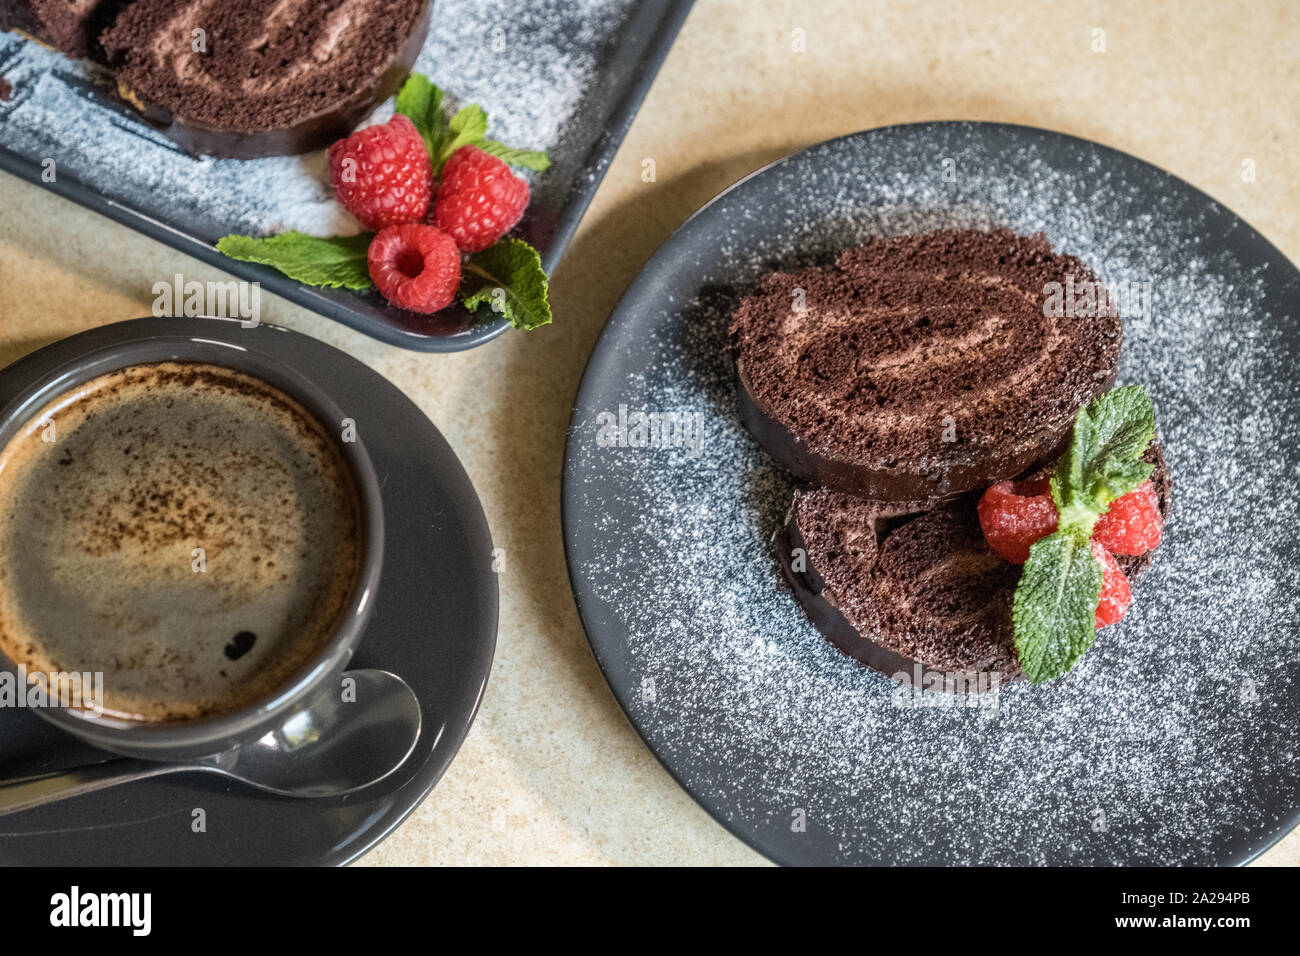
(69, 26)
(927, 589)
(921, 367)
(247, 78)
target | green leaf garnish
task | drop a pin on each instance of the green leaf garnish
(467, 128)
(339, 262)
(1055, 605)
(1104, 458)
(421, 100)
(508, 278)
(527, 158)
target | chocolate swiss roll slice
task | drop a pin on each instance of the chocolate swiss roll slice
(920, 367)
(248, 78)
(69, 26)
(897, 592)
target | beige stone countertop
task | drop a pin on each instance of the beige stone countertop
(552, 772)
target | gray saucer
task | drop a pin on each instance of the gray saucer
(434, 624)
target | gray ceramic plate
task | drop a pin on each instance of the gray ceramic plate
(1174, 741)
(434, 624)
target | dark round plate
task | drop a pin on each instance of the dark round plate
(434, 624)
(1174, 740)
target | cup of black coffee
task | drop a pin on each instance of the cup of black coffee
(193, 529)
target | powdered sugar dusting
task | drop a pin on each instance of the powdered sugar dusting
(529, 64)
(1172, 742)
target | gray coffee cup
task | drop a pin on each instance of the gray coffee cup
(30, 384)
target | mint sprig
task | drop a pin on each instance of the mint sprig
(1055, 605)
(467, 128)
(527, 158)
(338, 262)
(1104, 459)
(509, 279)
(421, 101)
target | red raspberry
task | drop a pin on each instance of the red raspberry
(415, 267)
(479, 199)
(1016, 514)
(1115, 594)
(381, 174)
(1133, 523)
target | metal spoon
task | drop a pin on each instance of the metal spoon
(327, 750)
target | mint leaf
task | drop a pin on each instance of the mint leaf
(1103, 460)
(1055, 607)
(337, 262)
(468, 127)
(1125, 421)
(509, 279)
(421, 101)
(1126, 425)
(527, 158)
(1069, 479)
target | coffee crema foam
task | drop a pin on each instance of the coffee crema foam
(107, 494)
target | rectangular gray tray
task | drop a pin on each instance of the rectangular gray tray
(504, 54)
